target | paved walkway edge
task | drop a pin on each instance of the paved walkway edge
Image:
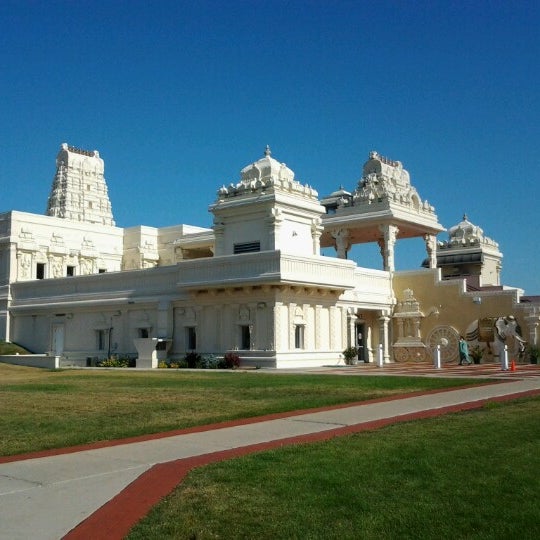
(115, 518)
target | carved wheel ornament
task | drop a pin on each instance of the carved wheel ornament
(448, 338)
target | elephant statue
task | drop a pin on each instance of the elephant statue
(491, 334)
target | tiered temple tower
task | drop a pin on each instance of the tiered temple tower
(79, 191)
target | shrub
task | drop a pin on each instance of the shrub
(193, 359)
(476, 353)
(209, 361)
(534, 353)
(350, 353)
(123, 362)
(231, 360)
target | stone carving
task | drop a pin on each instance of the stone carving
(491, 334)
(25, 263)
(57, 266)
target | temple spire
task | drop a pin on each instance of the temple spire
(79, 191)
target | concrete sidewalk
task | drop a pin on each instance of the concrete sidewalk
(46, 497)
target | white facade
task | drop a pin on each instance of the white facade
(80, 288)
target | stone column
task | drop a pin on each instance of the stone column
(431, 249)
(341, 236)
(254, 330)
(387, 244)
(351, 328)
(383, 336)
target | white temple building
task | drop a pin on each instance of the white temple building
(76, 287)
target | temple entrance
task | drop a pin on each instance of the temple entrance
(360, 342)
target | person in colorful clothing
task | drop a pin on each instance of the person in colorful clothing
(463, 352)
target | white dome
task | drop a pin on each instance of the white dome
(465, 230)
(266, 168)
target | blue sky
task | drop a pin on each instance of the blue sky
(179, 96)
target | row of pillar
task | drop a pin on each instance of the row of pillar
(386, 243)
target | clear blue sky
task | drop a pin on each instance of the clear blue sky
(179, 96)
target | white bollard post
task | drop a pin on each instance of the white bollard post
(437, 357)
(504, 358)
(380, 356)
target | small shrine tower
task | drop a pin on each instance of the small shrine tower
(267, 210)
(470, 254)
(79, 191)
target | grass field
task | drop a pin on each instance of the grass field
(469, 475)
(44, 409)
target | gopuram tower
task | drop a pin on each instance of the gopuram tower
(79, 191)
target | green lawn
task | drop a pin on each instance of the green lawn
(470, 475)
(44, 409)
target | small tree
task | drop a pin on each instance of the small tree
(350, 354)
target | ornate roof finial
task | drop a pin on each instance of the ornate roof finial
(267, 151)
(465, 218)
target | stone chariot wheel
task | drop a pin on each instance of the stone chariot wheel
(448, 338)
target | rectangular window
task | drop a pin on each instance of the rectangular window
(40, 270)
(245, 337)
(102, 270)
(298, 336)
(70, 271)
(143, 332)
(191, 338)
(247, 247)
(101, 339)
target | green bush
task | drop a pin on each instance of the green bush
(350, 354)
(193, 360)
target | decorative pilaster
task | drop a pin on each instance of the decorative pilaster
(316, 232)
(290, 322)
(276, 344)
(343, 312)
(318, 333)
(219, 231)
(333, 324)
